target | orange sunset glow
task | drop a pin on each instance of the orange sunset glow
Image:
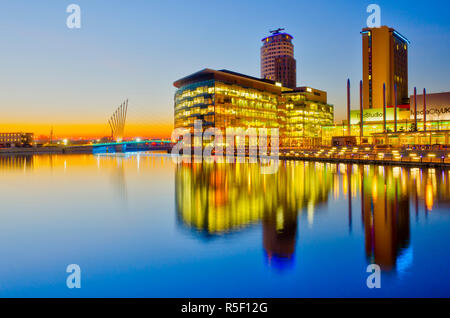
(159, 129)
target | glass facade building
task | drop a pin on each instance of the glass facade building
(195, 101)
(306, 113)
(224, 99)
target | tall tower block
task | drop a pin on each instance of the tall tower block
(385, 61)
(277, 59)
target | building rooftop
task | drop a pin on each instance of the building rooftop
(232, 77)
(396, 33)
(276, 34)
(249, 77)
(312, 93)
(249, 81)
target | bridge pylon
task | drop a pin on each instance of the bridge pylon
(117, 122)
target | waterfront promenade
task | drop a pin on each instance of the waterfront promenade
(369, 155)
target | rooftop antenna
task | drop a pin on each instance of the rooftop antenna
(277, 31)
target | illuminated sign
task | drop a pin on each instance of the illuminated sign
(376, 115)
(433, 112)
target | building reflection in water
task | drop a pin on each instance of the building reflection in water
(16, 162)
(386, 216)
(216, 199)
(389, 195)
(219, 199)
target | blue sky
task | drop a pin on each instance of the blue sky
(136, 49)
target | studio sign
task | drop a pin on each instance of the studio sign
(372, 115)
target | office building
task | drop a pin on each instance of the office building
(277, 59)
(225, 99)
(385, 61)
(16, 139)
(306, 113)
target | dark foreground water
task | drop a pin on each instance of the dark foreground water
(140, 226)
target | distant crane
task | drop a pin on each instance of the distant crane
(277, 31)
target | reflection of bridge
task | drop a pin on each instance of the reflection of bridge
(130, 146)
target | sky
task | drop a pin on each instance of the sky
(73, 79)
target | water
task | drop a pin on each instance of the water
(138, 225)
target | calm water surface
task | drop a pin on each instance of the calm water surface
(139, 225)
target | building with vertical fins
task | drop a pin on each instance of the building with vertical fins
(385, 61)
(277, 59)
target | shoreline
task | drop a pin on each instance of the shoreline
(377, 162)
(427, 163)
(53, 150)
